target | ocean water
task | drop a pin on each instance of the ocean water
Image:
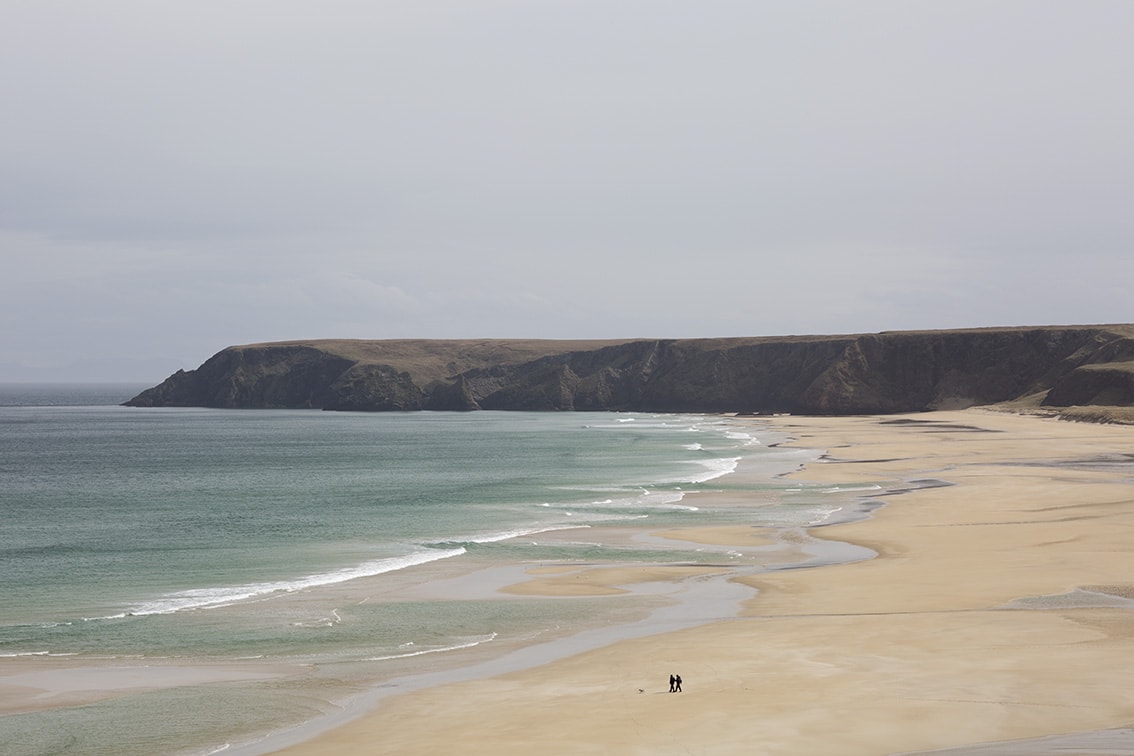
(305, 541)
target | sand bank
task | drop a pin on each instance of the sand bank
(30, 684)
(998, 608)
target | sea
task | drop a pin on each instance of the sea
(226, 574)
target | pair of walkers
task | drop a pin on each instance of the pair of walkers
(675, 683)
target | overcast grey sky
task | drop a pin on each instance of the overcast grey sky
(176, 177)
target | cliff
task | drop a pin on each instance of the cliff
(853, 374)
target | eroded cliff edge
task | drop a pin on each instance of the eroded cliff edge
(886, 372)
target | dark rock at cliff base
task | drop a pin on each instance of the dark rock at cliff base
(1107, 384)
(890, 372)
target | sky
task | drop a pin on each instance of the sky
(177, 177)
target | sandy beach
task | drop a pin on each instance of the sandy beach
(999, 607)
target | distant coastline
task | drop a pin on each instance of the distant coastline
(1051, 369)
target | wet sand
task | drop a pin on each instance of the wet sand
(998, 608)
(32, 683)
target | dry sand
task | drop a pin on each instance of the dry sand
(997, 609)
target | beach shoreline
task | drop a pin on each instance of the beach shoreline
(968, 587)
(974, 624)
(691, 595)
(602, 584)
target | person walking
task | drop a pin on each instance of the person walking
(672, 683)
(677, 683)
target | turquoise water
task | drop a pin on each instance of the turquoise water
(173, 536)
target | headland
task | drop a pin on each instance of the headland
(1057, 368)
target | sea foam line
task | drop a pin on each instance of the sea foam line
(843, 489)
(714, 468)
(504, 536)
(457, 647)
(746, 439)
(214, 597)
(643, 498)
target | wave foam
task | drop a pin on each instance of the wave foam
(844, 489)
(214, 597)
(504, 535)
(643, 498)
(714, 468)
(745, 439)
(456, 647)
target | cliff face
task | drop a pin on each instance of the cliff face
(857, 374)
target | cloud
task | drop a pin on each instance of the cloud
(193, 175)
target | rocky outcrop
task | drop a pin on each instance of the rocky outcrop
(854, 374)
(285, 376)
(1108, 384)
